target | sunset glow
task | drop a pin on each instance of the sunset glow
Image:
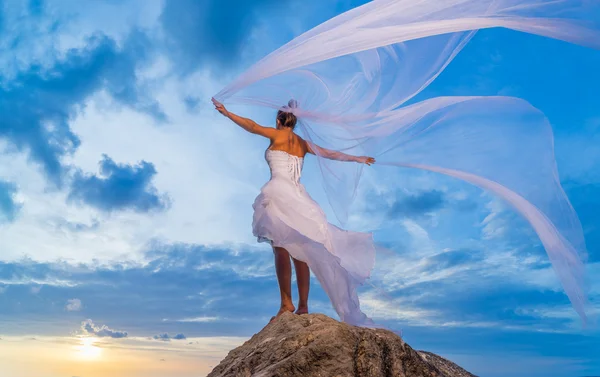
(87, 350)
(98, 357)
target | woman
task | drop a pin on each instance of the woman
(295, 225)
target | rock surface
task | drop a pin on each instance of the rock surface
(315, 345)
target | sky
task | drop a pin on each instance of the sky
(126, 200)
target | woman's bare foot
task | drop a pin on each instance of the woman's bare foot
(302, 310)
(284, 308)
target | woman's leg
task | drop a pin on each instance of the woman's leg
(283, 267)
(303, 278)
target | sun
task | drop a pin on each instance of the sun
(87, 349)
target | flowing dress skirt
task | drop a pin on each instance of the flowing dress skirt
(286, 216)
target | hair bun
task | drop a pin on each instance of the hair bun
(293, 104)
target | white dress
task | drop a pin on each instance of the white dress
(286, 216)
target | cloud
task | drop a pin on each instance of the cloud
(211, 31)
(223, 291)
(418, 204)
(191, 103)
(64, 225)
(165, 337)
(38, 103)
(119, 187)
(198, 319)
(73, 305)
(174, 281)
(453, 258)
(88, 327)
(36, 289)
(9, 208)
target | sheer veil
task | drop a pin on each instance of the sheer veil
(352, 76)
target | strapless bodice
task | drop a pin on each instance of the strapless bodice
(284, 165)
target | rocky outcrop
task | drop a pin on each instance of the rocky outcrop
(315, 345)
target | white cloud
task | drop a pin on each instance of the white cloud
(380, 307)
(73, 305)
(494, 225)
(212, 184)
(35, 290)
(209, 167)
(89, 328)
(199, 319)
(40, 282)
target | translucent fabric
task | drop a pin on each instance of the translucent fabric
(353, 75)
(286, 216)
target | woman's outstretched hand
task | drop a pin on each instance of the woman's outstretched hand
(365, 160)
(219, 107)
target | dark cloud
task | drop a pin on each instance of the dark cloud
(418, 205)
(38, 103)
(453, 258)
(211, 31)
(191, 103)
(423, 203)
(180, 285)
(88, 327)
(236, 287)
(119, 187)
(8, 207)
(166, 337)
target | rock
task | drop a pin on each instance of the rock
(447, 367)
(314, 345)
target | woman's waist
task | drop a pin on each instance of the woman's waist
(284, 176)
(283, 182)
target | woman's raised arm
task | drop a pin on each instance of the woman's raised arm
(335, 155)
(247, 124)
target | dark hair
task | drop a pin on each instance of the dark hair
(286, 118)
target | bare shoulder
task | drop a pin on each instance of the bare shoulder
(305, 145)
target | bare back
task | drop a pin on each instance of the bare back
(288, 141)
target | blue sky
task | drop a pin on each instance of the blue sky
(125, 200)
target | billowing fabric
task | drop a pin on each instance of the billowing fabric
(353, 75)
(286, 216)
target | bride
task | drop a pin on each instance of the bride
(293, 223)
